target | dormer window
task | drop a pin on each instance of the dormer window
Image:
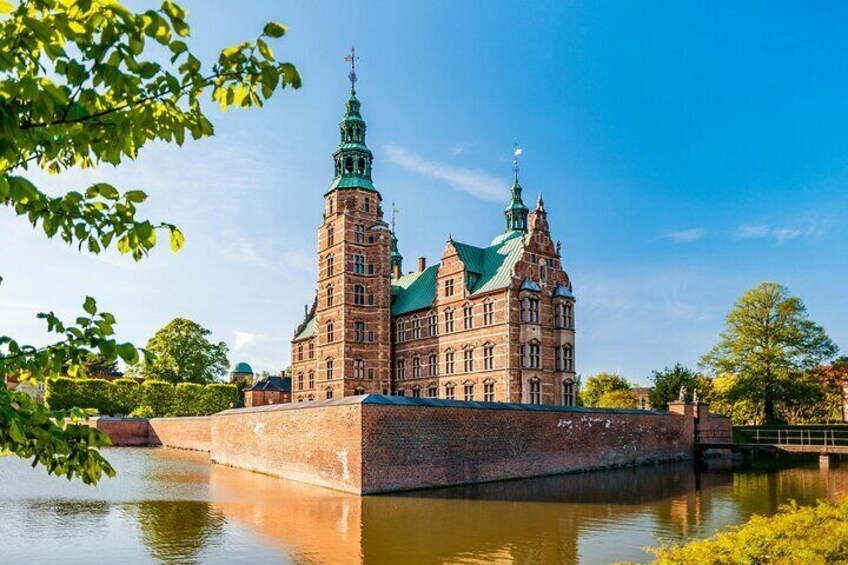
(449, 287)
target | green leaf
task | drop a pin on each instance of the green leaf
(128, 353)
(135, 196)
(90, 305)
(274, 29)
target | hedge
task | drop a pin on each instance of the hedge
(151, 399)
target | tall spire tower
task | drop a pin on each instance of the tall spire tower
(516, 212)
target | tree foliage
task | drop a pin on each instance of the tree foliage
(768, 344)
(184, 354)
(600, 384)
(86, 82)
(669, 381)
(621, 398)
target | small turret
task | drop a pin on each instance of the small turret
(516, 212)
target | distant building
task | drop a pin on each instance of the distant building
(642, 394)
(270, 390)
(35, 389)
(241, 375)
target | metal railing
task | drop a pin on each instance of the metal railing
(790, 435)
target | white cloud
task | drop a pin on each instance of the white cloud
(785, 234)
(749, 231)
(474, 182)
(778, 233)
(243, 339)
(685, 236)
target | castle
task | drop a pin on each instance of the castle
(492, 324)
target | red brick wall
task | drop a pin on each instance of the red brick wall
(713, 428)
(407, 447)
(183, 433)
(317, 443)
(122, 431)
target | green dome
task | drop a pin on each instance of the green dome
(241, 367)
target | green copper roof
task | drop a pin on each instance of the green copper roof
(352, 182)
(241, 367)
(308, 330)
(492, 268)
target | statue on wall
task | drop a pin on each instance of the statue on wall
(682, 396)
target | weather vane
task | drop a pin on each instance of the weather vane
(516, 152)
(352, 58)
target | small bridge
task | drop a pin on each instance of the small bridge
(825, 441)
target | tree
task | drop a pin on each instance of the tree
(82, 83)
(600, 384)
(669, 381)
(183, 354)
(620, 398)
(834, 379)
(768, 343)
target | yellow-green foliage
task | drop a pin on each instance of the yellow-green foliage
(807, 535)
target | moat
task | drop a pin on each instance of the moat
(173, 506)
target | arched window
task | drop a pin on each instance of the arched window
(331, 235)
(568, 397)
(468, 390)
(358, 391)
(310, 398)
(568, 357)
(450, 391)
(535, 391)
(400, 369)
(328, 393)
(329, 368)
(416, 392)
(360, 166)
(330, 294)
(359, 368)
(349, 165)
(416, 328)
(433, 391)
(359, 294)
(331, 335)
(330, 264)
(400, 331)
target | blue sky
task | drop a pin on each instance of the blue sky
(686, 152)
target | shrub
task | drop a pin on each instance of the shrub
(157, 397)
(143, 412)
(97, 394)
(126, 396)
(188, 399)
(64, 393)
(217, 397)
(810, 534)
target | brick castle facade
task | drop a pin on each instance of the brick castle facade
(493, 323)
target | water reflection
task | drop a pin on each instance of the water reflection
(174, 507)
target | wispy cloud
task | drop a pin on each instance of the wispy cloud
(243, 339)
(471, 181)
(778, 233)
(685, 236)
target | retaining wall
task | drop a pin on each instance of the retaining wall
(183, 433)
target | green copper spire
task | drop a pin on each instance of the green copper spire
(352, 158)
(396, 257)
(516, 212)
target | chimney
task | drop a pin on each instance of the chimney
(422, 263)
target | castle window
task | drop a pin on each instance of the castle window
(359, 331)
(370, 268)
(488, 313)
(568, 357)
(416, 392)
(311, 350)
(300, 352)
(433, 322)
(450, 391)
(331, 334)
(468, 355)
(400, 331)
(416, 328)
(330, 265)
(358, 391)
(449, 363)
(449, 287)
(359, 264)
(469, 391)
(489, 391)
(328, 394)
(367, 204)
(370, 300)
(300, 381)
(401, 392)
(568, 393)
(534, 361)
(349, 165)
(416, 367)
(359, 233)
(359, 294)
(400, 369)
(559, 315)
(370, 372)
(530, 310)
(310, 398)
(330, 205)
(433, 391)
(448, 321)
(370, 335)
(468, 316)
(358, 369)
(360, 166)
(522, 353)
(311, 379)
(489, 357)
(329, 368)
(543, 271)
(558, 360)
(535, 391)
(329, 295)
(533, 258)
(569, 315)
(331, 235)
(433, 359)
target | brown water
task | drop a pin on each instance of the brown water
(171, 506)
